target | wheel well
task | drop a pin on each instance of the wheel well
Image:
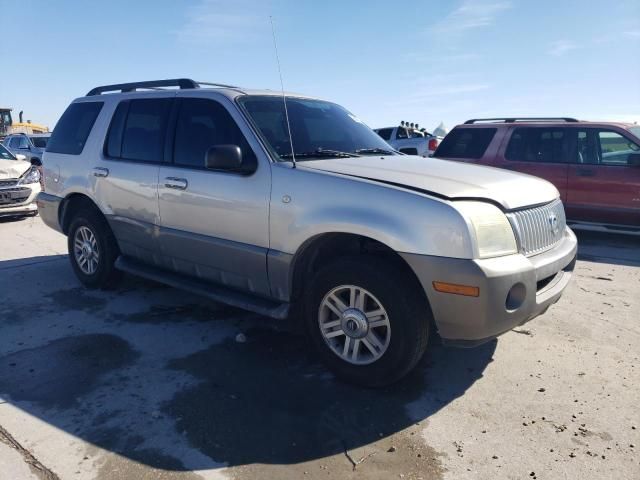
(71, 205)
(325, 248)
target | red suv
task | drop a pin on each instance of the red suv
(595, 166)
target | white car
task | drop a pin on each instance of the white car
(19, 185)
(410, 141)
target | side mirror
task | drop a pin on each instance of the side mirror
(21, 157)
(634, 159)
(223, 157)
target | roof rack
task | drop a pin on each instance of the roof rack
(521, 119)
(181, 83)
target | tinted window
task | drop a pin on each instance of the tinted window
(143, 136)
(39, 142)
(465, 143)
(385, 133)
(585, 148)
(73, 128)
(543, 145)
(114, 137)
(402, 133)
(203, 124)
(13, 142)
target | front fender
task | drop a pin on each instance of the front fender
(307, 203)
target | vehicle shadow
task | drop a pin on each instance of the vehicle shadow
(12, 218)
(272, 403)
(264, 401)
(611, 248)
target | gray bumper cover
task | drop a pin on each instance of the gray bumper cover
(469, 321)
(48, 206)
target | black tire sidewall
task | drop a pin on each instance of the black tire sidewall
(104, 273)
(408, 316)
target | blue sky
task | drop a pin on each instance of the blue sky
(420, 61)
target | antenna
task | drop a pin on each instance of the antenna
(284, 98)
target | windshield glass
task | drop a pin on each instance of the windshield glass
(40, 142)
(635, 131)
(5, 154)
(319, 129)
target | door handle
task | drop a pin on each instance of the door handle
(176, 183)
(585, 172)
(100, 172)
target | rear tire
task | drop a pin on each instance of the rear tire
(93, 250)
(379, 300)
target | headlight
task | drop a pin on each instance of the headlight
(493, 233)
(32, 176)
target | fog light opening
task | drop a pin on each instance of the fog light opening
(515, 297)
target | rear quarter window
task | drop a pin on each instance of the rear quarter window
(73, 128)
(466, 143)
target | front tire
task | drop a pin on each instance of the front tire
(93, 250)
(367, 319)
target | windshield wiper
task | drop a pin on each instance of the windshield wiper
(321, 153)
(376, 151)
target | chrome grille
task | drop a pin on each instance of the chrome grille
(540, 228)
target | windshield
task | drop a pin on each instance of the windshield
(40, 142)
(635, 131)
(319, 129)
(5, 154)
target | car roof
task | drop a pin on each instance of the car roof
(18, 134)
(230, 92)
(546, 123)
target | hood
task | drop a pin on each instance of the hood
(444, 178)
(13, 168)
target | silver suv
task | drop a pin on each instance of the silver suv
(290, 206)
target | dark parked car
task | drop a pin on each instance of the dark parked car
(595, 166)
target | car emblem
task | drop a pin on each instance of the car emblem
(553, 223)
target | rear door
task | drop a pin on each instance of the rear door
(127, 175)
(603, 185)
(539, 151)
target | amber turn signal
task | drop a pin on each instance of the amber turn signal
(465, 290)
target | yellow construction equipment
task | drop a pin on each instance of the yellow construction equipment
(8, 126)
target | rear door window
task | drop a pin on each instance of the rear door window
(72, 130)
(540, 145)
(144, 130)
(466, 143)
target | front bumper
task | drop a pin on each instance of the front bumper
(513, 290)
(19, 199)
